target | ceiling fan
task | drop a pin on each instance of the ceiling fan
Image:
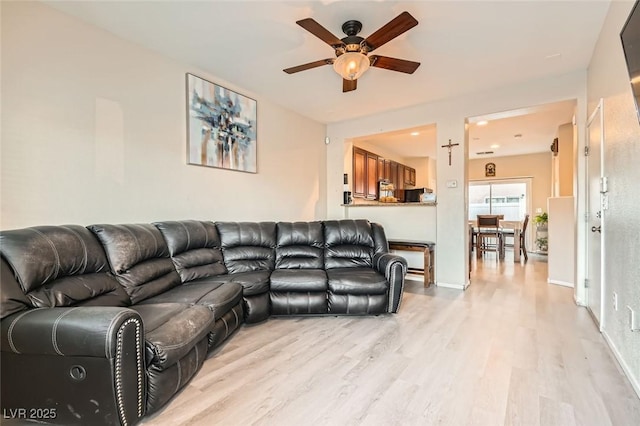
(352, 51)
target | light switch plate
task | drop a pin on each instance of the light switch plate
(452, 183)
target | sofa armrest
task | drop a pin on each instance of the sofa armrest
(394, 268)
(79, 362)
(75, 331)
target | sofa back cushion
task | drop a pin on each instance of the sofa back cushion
(139, 259)
(194, 247)
(12, 298)
(248, 246)
(61, 266)
(348, 244)
(380, 243)
(300, 245)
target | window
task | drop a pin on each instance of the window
(508, 199)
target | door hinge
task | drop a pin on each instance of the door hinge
(586, 151)
(586, 283)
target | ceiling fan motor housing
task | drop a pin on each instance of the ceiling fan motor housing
(352, 42)
(352, 27)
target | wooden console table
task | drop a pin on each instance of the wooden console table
(427, 247)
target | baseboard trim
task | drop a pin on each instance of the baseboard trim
(454, 286)
(627, 371)
(562, 283)
(412, 277)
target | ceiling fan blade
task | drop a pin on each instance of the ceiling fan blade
(391, 30)
(393, 64)
(319, 31)
(308, 66)
(349, 85)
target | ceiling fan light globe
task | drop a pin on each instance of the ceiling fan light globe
(351, 65)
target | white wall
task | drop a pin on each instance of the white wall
(450, 116)
(93, 130)
(561, 268)
(565, 160)
(608, 79)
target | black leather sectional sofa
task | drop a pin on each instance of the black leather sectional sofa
(104, 324)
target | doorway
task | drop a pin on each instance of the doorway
(510, 198)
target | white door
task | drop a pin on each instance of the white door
(595, 193)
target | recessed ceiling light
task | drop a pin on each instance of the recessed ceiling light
(476, 139)
(517, 135)
(495, 145)
(554, 56)
(482, 123)
(415, 133)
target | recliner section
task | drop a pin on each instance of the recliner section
(249, 248)
(299, 282)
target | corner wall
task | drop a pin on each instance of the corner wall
(608, 79)
(93, 130)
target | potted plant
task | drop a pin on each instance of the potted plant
(542, 241)
(541, 220)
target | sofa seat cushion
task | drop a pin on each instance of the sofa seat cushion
(298, 280)
(356, 281)
(219, 297)
(253, 283)
(172, 330)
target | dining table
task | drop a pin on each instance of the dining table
(505, 225)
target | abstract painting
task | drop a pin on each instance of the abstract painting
(221, 127)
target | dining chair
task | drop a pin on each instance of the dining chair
(488, 237)
(506, 233)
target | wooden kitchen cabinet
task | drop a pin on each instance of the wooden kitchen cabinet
(409, 175)
(400, 176)
(393, 173)
(381, 163)
(370, 168)
(359, 173)
(365, 174)
(372, 176)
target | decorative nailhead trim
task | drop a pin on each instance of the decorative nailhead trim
(119, 397)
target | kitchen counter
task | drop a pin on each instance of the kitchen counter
(401, 221)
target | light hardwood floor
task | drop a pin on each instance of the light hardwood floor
(511, 350)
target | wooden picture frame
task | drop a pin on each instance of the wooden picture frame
(490, 170)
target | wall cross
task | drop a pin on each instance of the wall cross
(449, 146)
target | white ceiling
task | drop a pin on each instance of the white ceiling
(464, 47)
(537, 127)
